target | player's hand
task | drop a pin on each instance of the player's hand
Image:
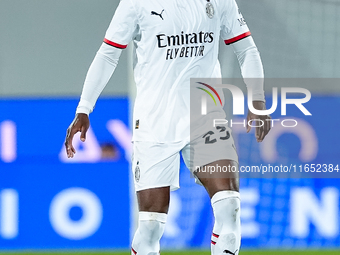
(81, 123)
(262, 131)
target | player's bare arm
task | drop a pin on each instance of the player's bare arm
(261, 130)
(81, 123)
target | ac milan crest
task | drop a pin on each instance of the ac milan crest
(137, 172)
(210, 10)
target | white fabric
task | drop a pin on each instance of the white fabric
(227, 228)
(175, 41)
(97, 77)
(165, 64)
(251, 66)
(231, 19)
(198, 153)
(223, 195)
(161, 217)
(157, 165)
(150, 230)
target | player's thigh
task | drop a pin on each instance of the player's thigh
(154, 200)
(213, 160)
(220, 181)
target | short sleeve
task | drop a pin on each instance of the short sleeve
(123, 26)
(233, 25)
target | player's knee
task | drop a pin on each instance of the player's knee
(226, 205)
(150, 230)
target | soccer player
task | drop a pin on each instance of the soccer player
(175, 41)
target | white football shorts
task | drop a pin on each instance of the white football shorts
(156, 165)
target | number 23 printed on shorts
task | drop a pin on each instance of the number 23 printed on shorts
(222, 131)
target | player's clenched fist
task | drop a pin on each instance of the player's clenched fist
(81, 123)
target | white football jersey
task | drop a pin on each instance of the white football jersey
(175, 40)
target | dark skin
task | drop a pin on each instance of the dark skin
(157, 199)
(260, 132)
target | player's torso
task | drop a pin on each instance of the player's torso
(176, 40)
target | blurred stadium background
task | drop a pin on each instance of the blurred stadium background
(50, 203)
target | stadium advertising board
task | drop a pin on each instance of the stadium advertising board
(49, 202)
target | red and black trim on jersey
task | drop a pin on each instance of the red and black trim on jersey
(237, 38)
(214, 236)
(133, 250)
(117, 45)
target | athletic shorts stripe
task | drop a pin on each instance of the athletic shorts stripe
(237, 38)
(117, 45)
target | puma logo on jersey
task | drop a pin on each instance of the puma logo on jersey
(229, 252)
(158, 14)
